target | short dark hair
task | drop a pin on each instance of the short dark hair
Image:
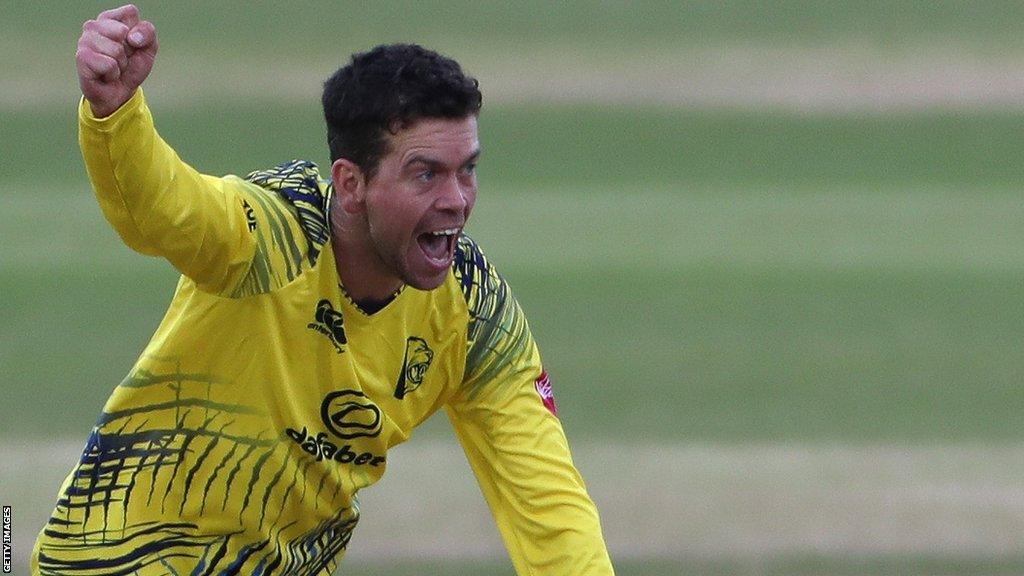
(387, 89)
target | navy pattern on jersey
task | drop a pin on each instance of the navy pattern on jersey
(497, 333)
(200, 465)
(299, 183)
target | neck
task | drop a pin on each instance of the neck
(364, 276)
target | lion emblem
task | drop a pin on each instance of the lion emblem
(418, 357)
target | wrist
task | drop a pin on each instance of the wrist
(99, 111)
(104, 120)
(102, 108)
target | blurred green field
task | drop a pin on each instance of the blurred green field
(849, 304)
(235, 26)
(713, 275)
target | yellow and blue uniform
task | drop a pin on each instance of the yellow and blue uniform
(267, 399)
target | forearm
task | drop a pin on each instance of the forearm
(505, 418)
(521, 459)
(158, 204)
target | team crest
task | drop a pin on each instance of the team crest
(418, 357)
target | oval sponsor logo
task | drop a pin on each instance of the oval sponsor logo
(350, 414)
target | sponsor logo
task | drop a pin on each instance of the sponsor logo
(329, 323)
(323, 449)
(350, 414)
(250, 216)
(418, 357)
(543, 386)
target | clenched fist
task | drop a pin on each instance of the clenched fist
(115, 55)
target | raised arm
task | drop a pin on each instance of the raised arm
(229, 236)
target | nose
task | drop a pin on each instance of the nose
(455, 195)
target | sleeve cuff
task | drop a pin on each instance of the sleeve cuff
(86, 117)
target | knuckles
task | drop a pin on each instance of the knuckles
(128, 10)
(95, 63)
(92, 44)
(112, 29)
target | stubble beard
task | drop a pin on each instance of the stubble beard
(394, 261)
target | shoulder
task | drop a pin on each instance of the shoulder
(285, 211)
(298, 185)
(484, 290)
(498, 336)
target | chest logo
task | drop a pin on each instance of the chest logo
(418, 357)
(329, 322)
(350, 414)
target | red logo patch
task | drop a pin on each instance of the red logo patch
(543, 386)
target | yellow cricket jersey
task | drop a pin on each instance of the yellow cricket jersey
(266, 399)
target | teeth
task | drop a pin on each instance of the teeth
(448, 232)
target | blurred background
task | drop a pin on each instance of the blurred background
(773, 253)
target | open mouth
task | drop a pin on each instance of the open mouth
(439, 246)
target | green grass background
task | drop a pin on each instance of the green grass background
(770, 276)
(692, 274)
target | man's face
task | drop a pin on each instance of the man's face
(420, 198)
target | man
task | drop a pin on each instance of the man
(315, 325)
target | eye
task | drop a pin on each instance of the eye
(470, 168)
(426, 175)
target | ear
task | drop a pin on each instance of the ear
(349, 185)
